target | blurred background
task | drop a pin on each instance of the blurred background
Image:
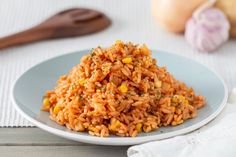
(141, 21)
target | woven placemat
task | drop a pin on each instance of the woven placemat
(129, 24)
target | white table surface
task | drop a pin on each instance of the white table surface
(132, 21)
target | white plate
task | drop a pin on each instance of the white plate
(29, 89)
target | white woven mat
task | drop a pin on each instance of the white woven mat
(131, 22)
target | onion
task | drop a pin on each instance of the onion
(173, 14)
(229, 8)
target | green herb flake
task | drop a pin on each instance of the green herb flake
(73, 86)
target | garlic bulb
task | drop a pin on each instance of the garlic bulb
(207, 30)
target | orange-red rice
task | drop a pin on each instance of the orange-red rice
(120, 90)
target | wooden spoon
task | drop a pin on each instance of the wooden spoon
(69, 23)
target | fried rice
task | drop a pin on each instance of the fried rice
(122, 91)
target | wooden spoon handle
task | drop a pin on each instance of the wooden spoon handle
(31, 35)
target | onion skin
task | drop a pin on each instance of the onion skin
(172, 15)
(229, 8)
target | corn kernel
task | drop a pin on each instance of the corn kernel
(82, 81)
(177, 123)
(145, 50)
(181, 97)
(183, 100)
(118, 42)
(46, 103)
(180, 122)
(173, 108)
(123, 88)
(186, 102)
(91, 128)
(138, 127)
(174, 124)
(117, 123)
(56, 109)
(114, 124)
(127, 60)
(175, 98)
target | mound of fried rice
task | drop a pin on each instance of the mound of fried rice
(120, 90)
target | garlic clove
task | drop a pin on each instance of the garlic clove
(207, 30)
